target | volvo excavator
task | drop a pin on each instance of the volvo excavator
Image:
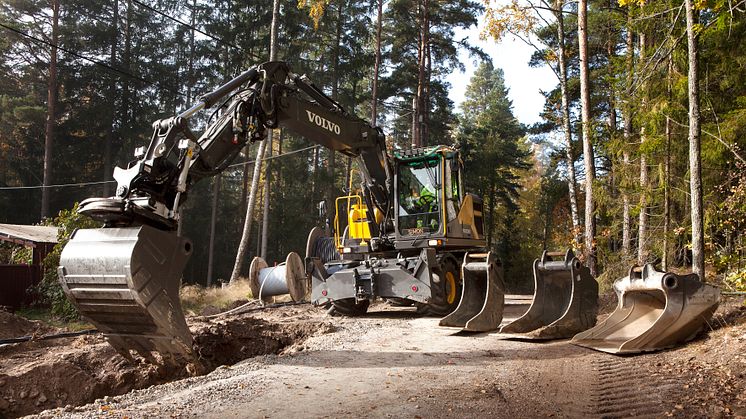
(415, 235)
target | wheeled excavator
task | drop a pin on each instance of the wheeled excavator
(414, 236)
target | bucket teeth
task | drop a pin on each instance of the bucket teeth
(126, 282)
(565, 300)
(481, 306)
(656, 310)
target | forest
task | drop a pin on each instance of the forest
(639, 156)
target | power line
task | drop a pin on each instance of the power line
(67, 185)
(213, 37)
(102, 64)
(64, 185)
(278, 156)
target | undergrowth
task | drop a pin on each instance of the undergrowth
(195, 298)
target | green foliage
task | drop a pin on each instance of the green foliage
(49, 289)
(14, 254)
(496, 157)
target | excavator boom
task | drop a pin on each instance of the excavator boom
(125, 277)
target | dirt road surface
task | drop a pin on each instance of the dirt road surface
(392, 363)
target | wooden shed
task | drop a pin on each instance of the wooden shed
(16, 279)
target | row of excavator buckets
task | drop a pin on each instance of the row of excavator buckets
(655, 310)
(126, 280)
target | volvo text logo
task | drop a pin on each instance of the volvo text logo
(323, 123)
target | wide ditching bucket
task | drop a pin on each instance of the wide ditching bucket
(483, 296)
(126, 281)
(656, 310)
(565, 299)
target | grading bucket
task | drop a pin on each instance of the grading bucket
(483, 297)
(565, 300)
(656, 310)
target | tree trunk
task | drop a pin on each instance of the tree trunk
(51, 112)
(626, 217)
(270, 139)
(126, 61)
(112, 99)
(642, 233)
(588, 157)
(414, 121)
(420, 114)
(213, 222)
(377, 67)
(244, 244)
(265, 194)
(667, 168)
(695, 169)
(566, 126)
(331, 191)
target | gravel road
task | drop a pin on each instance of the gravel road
(392, 363)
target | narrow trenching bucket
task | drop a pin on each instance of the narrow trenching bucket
(483, 297)
(565, 300)
(126, 281)
(656, 310)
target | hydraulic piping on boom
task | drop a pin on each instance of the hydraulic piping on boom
(125, 276)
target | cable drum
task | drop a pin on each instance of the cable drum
(286, 278)
(321, 246)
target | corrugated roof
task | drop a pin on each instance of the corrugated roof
(28, 235)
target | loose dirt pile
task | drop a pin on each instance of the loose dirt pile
(39, 375)
(12, 326)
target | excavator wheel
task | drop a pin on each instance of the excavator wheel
(447, 293)
(349, 307)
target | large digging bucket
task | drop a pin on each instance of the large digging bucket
(565, 299)
(126, 281)
(656, 310)
(483, 297)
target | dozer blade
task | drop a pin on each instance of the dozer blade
(656, 310)
(565, 300)
(481, 306)
(126, 281)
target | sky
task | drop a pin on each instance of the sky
(524, 83)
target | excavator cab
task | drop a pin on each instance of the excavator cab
(430, 203)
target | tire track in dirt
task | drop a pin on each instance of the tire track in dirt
(623, 387)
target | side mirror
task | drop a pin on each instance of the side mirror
(321, 206)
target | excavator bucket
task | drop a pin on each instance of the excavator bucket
(656, 310)
(565, 300)
(126, 281)
(483, 297)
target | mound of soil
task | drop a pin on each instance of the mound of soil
(36, 376)
(12, 326)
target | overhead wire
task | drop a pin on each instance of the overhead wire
(194, 28)
(91, 60)
(65, 185)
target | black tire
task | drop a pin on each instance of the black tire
(349, 307)
(447, 295)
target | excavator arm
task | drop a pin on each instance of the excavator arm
(125, 276)
(151, 189)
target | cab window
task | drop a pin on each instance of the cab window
(419, 197)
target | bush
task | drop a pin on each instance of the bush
(49, 289)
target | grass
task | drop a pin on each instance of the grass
(45, 316)
(194, 298)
